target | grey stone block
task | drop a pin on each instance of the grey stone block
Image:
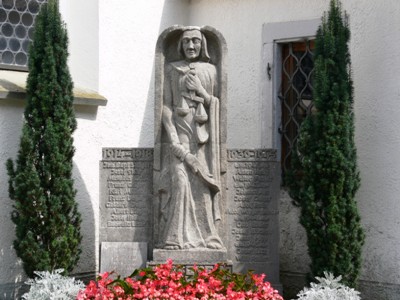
(190, 139)
(191, 256)
(126, 194)
(122, 257)
(252, 211)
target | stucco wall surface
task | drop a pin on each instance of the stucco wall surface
(375, 38)
(10, 124)
(82, 19)
(127, 31)
(241, 23)
(375, 29)
(112, 45)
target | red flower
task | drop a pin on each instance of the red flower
(168, 282)
(142, 273)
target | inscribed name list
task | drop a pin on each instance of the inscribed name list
(126, 194)
(252, 206)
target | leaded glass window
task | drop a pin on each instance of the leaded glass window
(17, 18)
(295, 93)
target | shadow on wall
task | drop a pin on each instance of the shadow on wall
(174, 12)
(86, 112)
(11, 273)
(11, 267)
(12, 88)
(86, 268)
(12, 276)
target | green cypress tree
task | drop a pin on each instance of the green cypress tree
(325, 176)
(40, 183)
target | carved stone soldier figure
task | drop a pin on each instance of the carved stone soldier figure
(189, 182)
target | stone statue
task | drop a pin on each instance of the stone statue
(189, 177)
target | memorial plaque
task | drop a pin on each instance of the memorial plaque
(253, 178)
(252, 211)
(126, 183)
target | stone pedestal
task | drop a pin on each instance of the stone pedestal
(190, 256)
(122, 257)
(249, 212)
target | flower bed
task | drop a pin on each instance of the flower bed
(167, 281)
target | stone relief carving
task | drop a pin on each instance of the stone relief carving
(187, 175)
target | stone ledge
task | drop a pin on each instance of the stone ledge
(191, 256)
(13, 87)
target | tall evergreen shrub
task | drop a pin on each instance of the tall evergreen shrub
(325, 176)
(40, 182)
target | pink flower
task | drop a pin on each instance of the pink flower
(142, 273)
(168, 282)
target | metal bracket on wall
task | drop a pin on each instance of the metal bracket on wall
(269, 71)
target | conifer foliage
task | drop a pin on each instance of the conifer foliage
(40, 181)
(325, 177)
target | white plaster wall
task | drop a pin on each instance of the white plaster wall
(127, 31)
(84, 64)
(10, 124)
(375, 27)
(82, 19)
(375, 40)
(241, 24)
(112, 45)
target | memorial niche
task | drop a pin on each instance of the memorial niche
(190, 137)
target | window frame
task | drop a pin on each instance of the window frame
(274, 36)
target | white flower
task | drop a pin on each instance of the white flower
(328, 288)
(51, 286)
